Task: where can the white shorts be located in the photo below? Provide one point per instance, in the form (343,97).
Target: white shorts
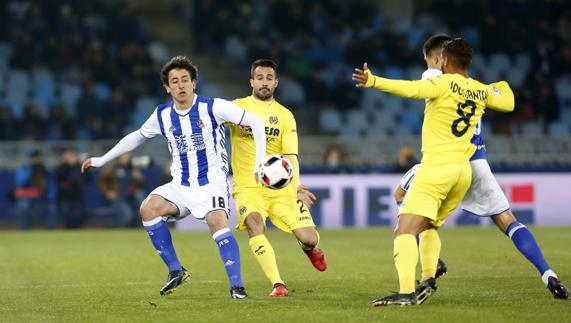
(484,197)
(198,201)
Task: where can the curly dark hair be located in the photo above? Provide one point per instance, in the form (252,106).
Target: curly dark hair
(180,62)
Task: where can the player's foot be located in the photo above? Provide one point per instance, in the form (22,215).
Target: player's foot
(557,288)
(279,291)
(238,292)
(425,289)
(175,279)
(317,258)
(441,269)
(396,299)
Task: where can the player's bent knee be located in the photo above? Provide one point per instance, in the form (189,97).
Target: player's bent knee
(216,220)
(155,206)
(307,236)
(255,224)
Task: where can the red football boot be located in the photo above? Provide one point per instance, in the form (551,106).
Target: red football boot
(279,291)
(317,258)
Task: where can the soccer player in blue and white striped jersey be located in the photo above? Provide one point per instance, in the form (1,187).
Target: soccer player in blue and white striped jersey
(193,127)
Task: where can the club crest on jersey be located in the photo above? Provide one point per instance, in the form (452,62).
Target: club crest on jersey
(243,210)
(273,120)
(199,123)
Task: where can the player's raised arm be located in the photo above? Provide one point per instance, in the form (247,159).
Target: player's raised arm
(230,112)
(131,141)
(425,89)
(125,145)
(501,97)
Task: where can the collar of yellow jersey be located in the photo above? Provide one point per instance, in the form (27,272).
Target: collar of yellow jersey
(258,101)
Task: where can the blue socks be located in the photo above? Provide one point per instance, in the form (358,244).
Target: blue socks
(230,254)
(161,238)
(526,244)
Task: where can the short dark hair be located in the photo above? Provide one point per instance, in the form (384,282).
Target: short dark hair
(264,62)
(434,42)
(459,51)
(178,62)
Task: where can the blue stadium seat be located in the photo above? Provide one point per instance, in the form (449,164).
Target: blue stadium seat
(103,91)
(158,52)
(558,128)
(146,105)
(69,93)
(357,120)
(330,120)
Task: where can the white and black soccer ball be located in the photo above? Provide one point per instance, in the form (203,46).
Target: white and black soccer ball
(276,172)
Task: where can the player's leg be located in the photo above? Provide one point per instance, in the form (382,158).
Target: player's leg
(292,215)
(264,253)
(251,205)
(496,205)
(308,239)
(153,209)
(427,240)
(217,221)
(526,244)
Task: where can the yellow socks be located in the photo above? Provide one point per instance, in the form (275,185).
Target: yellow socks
(429,252)
(264,254)
(406,257)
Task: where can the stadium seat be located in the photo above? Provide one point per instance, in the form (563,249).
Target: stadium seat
(158,52)
(291,92)
(43,76)
(558,128)
(69,94)
(563,88)
(18,83)
(412,119)
(102,91)
(357,120)
(532,128)
(146,105)
(330,120)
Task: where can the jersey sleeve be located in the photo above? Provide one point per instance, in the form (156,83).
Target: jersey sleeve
(151,127)
(501,97)
(289,138)
(424,89)
(226,111)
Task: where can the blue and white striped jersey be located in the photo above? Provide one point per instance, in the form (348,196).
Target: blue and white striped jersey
(196,138)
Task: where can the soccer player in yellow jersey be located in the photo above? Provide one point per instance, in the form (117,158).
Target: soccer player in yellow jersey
(287,208)
(455,104)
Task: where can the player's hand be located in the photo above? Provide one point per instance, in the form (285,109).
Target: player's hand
(257,173)
(86,165)
(305,195)
(361,76)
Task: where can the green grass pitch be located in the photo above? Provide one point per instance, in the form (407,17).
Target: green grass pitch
(115,276)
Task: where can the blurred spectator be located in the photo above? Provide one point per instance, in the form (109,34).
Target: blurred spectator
(121,185)
(35,193)
(334,160)
(70,186)
(406,160)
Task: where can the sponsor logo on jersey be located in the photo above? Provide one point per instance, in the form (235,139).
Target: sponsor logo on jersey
(305,217)
(273,120)
(243,210)
(172,129)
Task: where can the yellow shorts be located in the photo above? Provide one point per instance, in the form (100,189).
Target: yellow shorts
(286,212)
(437,190)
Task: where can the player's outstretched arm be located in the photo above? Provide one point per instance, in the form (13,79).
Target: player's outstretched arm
(125,145)
(259,133)
(501,97)
(425,89)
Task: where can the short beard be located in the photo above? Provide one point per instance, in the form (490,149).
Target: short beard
(262,97)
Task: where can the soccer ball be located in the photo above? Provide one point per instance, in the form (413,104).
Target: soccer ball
(276,172)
